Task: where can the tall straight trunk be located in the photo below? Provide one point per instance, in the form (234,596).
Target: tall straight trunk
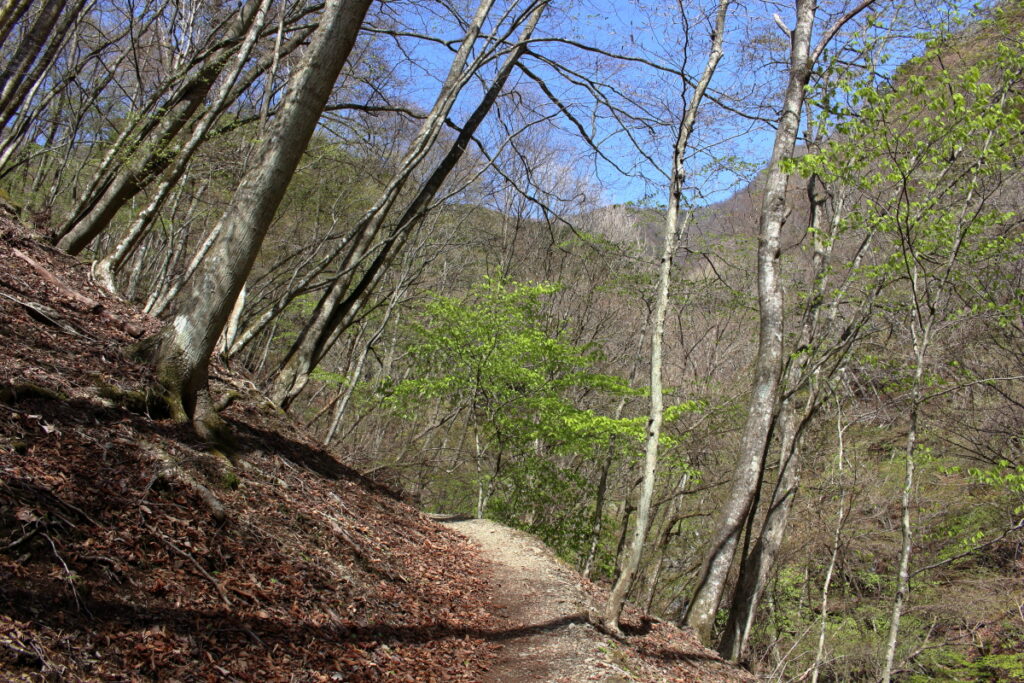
(674,226)
(183,347)
(768,365)
(346,293)
(617,597)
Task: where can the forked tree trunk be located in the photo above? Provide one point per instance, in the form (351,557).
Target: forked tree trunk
(674,226)
(764,396)
(183,347)
(757,565)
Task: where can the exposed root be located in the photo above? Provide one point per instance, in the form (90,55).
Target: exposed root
(212,428)
(609,627)
(169,471)
(226,400)
(20,391)
(140,402)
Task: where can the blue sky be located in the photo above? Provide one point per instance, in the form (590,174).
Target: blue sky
(727,148)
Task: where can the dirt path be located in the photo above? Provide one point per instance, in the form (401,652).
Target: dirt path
(548,636)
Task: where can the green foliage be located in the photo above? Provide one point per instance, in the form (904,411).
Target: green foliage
(949,665)
(538,496)
(533,400)
(490,353)
(926,155)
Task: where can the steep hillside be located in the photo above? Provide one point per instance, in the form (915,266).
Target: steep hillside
(130,552)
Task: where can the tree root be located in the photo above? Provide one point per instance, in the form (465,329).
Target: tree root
(171,472)
(20,391)
(139,402)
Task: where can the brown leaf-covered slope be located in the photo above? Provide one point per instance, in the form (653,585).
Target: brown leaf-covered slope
(128,552)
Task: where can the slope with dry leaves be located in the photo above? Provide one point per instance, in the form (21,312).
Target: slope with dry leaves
(131,552)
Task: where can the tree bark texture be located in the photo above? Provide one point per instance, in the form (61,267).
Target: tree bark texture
(768,365)
(185,345)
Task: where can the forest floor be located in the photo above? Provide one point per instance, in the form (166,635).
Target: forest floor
(130,551)
(545,605)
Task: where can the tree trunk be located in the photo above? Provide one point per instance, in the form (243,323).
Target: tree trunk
(673,229)
(345,294)
(834,556)
(184,346)
(100,207)
(106,268)
(16,70)
(768,366)
(597,519)
(903,573)
(757,565)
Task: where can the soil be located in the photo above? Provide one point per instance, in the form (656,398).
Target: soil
(540,598)
(545,606)
(131,551)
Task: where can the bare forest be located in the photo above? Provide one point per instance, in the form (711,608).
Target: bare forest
(722,302)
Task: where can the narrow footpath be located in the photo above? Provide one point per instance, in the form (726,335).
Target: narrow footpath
(546,635)
(550,638)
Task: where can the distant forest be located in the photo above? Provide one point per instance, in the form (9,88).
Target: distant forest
(724,302)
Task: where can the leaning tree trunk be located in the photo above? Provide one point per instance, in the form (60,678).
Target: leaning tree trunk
(673,229)
(345,294)
(105,269)
(18,74)
(154,146)
(183,347)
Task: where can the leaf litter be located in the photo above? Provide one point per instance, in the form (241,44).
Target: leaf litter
(113,570)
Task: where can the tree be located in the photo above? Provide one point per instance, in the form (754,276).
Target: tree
(146,148)
(374,244)
(700,614)
(488,357)
(929,158)
(674,226)
(181,351)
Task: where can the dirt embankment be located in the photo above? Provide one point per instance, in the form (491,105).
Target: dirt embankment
(129,551)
